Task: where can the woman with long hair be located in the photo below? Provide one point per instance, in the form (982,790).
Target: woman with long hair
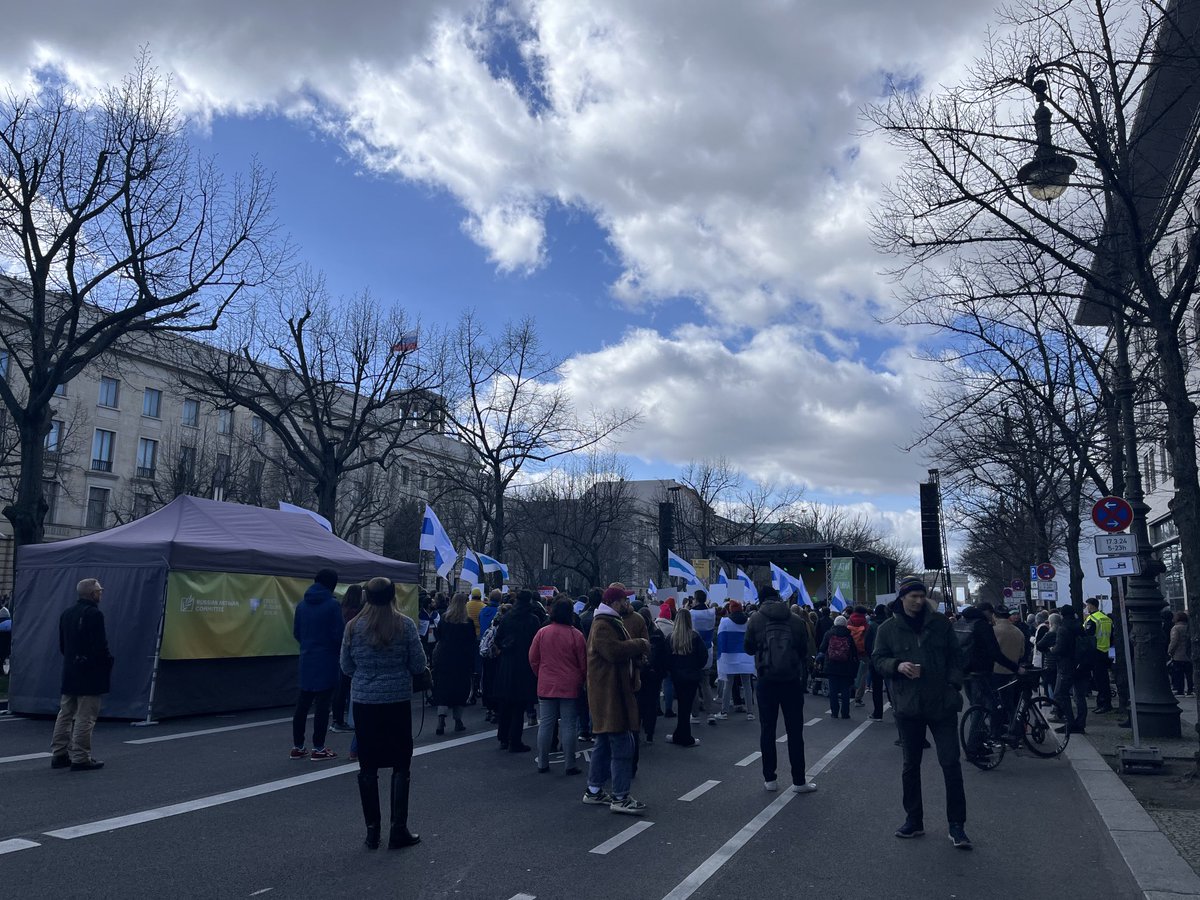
(688,658)
(381,652)
(454,663)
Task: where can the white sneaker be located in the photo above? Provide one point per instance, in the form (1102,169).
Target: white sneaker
(806,788)
(720,717)
(749,717)
(695,720)
(771,785)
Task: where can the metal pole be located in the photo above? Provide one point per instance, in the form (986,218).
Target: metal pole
(149,720)
(1133,716)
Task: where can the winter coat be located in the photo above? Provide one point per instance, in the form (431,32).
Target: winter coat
(611,660)
(824,623)
(454,663)
(930,642)
(658,666)
(486,616)
(318,628)
(382,674)
(857,624)
(665,627)
(558,657)
(689,667)
(514,636)
(847,669)
(87,664)
(1179,649)
(1064,651)
(732,658)
(1011,643)
(778,611)
(988,655)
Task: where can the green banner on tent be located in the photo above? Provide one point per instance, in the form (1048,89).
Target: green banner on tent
(841,575)
(222,615)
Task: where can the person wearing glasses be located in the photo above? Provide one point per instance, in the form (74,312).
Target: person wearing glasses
(87,669)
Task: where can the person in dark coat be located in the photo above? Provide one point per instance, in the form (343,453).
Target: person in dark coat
(1073,668)
(654,670)
(688,659)
(516,685)
(840,666)
(352,604)
(454,663)
(318,630)
(87,669)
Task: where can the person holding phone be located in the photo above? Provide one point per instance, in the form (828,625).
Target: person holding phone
(919,653)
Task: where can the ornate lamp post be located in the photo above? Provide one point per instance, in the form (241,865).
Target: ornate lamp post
(1046,177)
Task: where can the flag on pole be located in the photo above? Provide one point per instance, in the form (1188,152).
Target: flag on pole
(406,343)
(652,588)
(751,592)
(492,565)
(721,579)
(782,582)
(435,539)
(471,572)
(680,568)
(804,599)
(315,516)
(838,602)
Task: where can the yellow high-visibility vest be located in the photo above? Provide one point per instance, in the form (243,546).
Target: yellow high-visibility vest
(1103,630)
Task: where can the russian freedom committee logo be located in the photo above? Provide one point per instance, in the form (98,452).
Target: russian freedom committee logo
(187,604)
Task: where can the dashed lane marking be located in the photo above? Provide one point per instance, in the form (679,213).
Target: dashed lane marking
(699,791)
(811,722)
(14,844)
(618,839)
(223,728)
(749,759)
(23,757)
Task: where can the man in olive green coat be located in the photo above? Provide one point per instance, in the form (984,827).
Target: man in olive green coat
(918,652)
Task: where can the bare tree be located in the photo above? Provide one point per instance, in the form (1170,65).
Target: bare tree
(705,522)
(507,407)
(342,387)
(758,508)
(112,229)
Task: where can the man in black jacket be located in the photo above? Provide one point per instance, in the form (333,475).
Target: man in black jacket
(1072,659)
(87,666)
(919,654)
(978,621)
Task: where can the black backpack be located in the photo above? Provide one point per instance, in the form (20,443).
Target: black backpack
(778,657)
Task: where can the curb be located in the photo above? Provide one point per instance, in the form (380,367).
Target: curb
(1152,860)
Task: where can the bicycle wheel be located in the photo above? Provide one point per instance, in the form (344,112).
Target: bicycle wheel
(975,734)
(1040,735)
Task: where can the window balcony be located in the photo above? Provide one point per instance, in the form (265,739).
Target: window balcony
(101,465)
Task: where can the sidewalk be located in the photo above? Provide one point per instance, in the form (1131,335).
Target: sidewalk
(1154,818)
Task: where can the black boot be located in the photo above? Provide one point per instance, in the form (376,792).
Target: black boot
(441,729)
(400,836)
(368,793)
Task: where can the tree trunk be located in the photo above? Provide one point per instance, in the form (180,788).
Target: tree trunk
(326,491)
(28,512)
(1074,565)
(498,519)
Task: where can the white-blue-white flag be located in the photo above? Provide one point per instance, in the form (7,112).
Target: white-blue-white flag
(681,568)
(837,601)
(782,582)
(652,588)
(315,516)
(471,572)
(751,592)
(492,565)
(803,599)
(721,579)
(435,539)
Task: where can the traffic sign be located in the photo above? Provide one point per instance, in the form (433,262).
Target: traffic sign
(1017,584)
(1116,545)
(1019,596)
(1047,585)
(1033,573)
(1048,595)
(1112,514)
(1045,572)
(1008,592)
(1116,566)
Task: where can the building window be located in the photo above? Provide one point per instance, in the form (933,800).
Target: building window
(97,507)
(4,365)
(257,429)
(54,438)
(50,495)
(220,476)
(191,413)
(224,421)
(152,403)
(110,393)
(147,457)
(255,480)
(143,505)
(103,445)
(404,474)
(1151,474)
(60,390)
(187,464)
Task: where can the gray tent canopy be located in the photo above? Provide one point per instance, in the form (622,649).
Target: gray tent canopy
(133,562)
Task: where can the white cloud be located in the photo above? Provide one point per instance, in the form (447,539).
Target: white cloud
(777,407)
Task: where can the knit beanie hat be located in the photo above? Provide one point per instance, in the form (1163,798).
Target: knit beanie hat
(909,584)
(840,620)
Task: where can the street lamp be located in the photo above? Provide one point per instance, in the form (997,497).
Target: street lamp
(1047,175)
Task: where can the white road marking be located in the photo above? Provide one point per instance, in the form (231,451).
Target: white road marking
(710,866)
(811,722)
(618,839)
(749,759)
(23,757)
(263,891)
(14,844)
(696,792)
(256,790)
(224,728)
(781,740)
(523,897)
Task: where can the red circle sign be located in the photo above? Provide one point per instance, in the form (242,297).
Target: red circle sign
(1008,592)
(1018,584)
(1046,572)
(1112,514)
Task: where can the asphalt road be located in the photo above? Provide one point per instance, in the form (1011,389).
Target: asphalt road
(227,814)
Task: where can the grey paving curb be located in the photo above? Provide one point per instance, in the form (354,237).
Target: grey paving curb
(1160,872)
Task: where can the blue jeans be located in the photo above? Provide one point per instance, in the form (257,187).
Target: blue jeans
(612,754)
(550,709)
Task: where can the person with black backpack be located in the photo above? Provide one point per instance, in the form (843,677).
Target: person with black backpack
(778,641)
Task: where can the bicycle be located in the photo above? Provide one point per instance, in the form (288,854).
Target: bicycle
(1030,723)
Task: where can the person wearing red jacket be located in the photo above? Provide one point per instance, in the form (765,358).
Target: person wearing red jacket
(558,657)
